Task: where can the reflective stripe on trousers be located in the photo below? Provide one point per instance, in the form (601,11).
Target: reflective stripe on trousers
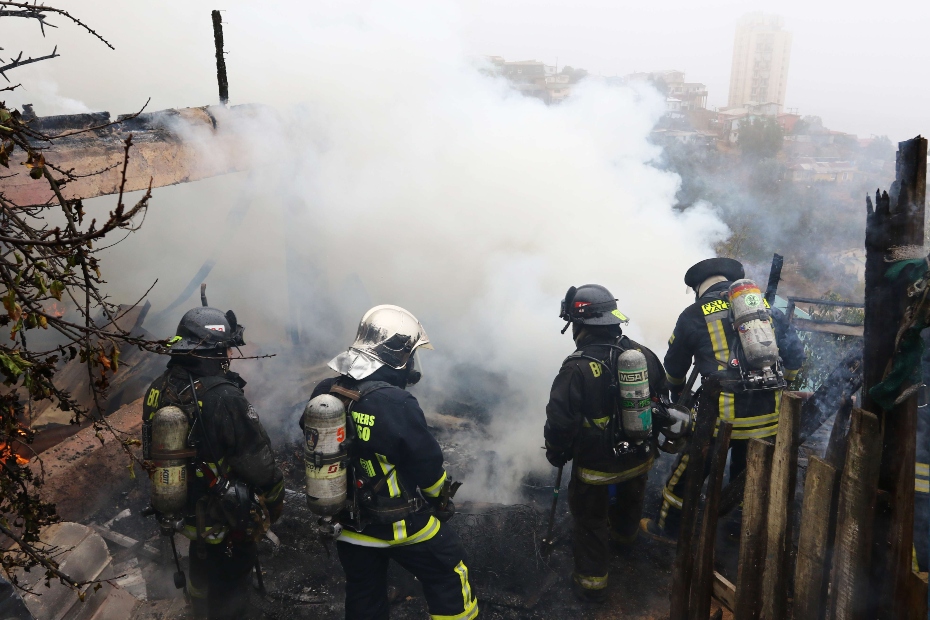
(591,476)
(589,582)
(470,602)
(400,535)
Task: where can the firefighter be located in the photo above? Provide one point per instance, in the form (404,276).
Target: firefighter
(582,426)
(233,453)
(705,334)
(396,475)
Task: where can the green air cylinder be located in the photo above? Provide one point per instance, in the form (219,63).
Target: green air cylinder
(324,457)
(635,402)
(169,476)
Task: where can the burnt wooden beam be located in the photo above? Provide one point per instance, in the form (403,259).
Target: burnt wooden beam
(221,80)
(169,147)
(894,230)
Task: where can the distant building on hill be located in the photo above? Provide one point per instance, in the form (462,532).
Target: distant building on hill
(761,53)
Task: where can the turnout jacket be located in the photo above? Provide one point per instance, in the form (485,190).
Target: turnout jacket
(580,406)
(704,333)
(231,439)
(396,456)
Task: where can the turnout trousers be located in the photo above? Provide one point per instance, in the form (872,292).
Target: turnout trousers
(598,520)
(219,584)
(437,563)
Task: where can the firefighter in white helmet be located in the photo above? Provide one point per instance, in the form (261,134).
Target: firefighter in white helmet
(399,494)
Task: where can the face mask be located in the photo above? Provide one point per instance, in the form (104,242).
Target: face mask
(415,372)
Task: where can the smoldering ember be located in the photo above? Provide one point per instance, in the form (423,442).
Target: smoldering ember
(288,290)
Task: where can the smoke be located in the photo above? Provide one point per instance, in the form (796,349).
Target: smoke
(391,169)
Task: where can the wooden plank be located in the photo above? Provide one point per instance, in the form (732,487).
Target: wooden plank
(853,548)
(125,541)
(825,327)
(896,223)
(753,530)
(835,454)
(781,510)
(682,569)
(810,582)
(702,587)
(168,147)
(724,591)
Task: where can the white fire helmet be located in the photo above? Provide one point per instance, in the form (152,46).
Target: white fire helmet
(387,335)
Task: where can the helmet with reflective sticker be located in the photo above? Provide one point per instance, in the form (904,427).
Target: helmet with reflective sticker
(206,329)
(591,304)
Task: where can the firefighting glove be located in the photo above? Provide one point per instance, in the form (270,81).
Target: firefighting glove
(558,458)
(446,513)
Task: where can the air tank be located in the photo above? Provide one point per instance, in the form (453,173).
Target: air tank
(324,457)
(169,475)
(751,320)
(635,401)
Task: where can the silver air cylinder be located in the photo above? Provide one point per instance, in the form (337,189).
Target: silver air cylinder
(324,432)
(751,321)
(635,402)
(169,476)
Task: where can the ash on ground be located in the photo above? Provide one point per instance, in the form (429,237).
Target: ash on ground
(508,572)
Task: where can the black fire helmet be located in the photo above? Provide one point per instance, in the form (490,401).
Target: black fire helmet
(206,329)
(727,267)
(591,304)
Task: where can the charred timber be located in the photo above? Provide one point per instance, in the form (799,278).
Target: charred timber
(894,230)
(169,147)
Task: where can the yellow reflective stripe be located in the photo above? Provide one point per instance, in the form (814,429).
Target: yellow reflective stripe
(718,341)
(791,375)
(914,565)
(470,604)
(429,530)
(212,535)
(435,489)
(671,340)
(599,422)
(400,530)
(922,469)
(591,476)
(674,380)
(193,590)
(672,499)
(922,486)
(758,420)
(390,474)
(757,433)
(590,582)
(727,405)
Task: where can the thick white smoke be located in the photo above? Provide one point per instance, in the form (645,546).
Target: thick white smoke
(392,170)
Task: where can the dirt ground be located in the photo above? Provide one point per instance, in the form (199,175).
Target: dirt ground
(512,580)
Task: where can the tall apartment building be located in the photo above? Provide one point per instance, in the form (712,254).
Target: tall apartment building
(761,52)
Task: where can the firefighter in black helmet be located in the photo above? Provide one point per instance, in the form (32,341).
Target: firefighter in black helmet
(582,409)
(704,333)
(235,489)
(397,478)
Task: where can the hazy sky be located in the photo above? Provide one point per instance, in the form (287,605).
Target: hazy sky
(861,66)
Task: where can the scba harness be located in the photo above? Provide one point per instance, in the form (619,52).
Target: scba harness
(366,506)
(227,508)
